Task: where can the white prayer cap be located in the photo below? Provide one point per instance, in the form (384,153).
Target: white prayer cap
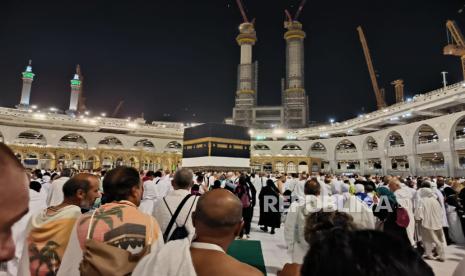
(359,188)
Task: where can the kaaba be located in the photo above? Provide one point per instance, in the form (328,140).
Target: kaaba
(216,147)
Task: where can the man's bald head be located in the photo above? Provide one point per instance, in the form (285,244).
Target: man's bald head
(14,199)
(218,211)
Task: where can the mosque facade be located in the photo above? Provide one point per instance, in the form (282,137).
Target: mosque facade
(424,135)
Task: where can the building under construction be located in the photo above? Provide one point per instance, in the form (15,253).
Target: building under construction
(293,113)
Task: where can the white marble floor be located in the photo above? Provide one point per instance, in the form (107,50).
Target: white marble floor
(275,253)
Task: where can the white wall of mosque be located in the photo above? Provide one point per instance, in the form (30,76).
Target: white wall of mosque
(48,149)
(429,147)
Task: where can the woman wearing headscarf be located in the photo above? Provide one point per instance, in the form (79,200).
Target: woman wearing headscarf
(270,215)
(385,209)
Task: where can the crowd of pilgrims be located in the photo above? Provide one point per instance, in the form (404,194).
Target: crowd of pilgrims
(123,222)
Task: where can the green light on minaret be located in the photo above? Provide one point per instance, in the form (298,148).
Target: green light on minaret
(28,75)
(75,82)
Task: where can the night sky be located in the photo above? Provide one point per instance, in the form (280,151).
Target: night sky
(177,60)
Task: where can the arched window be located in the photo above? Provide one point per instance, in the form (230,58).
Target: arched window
(145,144)
(110,142)
(291,147)
(72,140)
(173,146)
(261,147)
(318,148)
(395,140)
(346,146)
(426,134)
(31,137)
(371,144)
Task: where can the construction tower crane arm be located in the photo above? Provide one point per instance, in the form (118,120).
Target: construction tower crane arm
(457,48)
(456,33)
(117,109)
(299,11)
(379,97)
(241,8)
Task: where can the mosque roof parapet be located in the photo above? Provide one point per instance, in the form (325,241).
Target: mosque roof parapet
(12,116)
(451,95)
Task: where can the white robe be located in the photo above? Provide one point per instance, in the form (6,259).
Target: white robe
(172,260)
(294,226)
(455,226)
(299,190)
(149,197)
(354,206)
(37,202)
(405,199)
(428,211)
(163,187)
(56,196)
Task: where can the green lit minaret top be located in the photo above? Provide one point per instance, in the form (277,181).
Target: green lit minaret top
(28,73)
(76,81)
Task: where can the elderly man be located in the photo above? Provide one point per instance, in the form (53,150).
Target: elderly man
(115,229)
(13,199)
(51,228)
(218,221)
(166,207)
(294,227)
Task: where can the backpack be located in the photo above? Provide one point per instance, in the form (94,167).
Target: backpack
(245,200)
(180,232)
(402,219)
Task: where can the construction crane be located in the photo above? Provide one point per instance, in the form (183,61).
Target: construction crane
(399,88)
(457,47)
(290,18)
(117,109)
(380,102)
(242,10)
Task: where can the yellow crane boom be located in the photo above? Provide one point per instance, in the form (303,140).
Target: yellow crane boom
(380,102)
(457,48)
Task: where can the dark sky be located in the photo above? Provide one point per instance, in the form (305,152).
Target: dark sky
(179,57)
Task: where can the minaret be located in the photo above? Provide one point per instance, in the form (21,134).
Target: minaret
(28,78)
(246,94)
(295,98)
(75,93)
(82,100)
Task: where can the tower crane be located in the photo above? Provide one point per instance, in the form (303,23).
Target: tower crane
(297,14)
(380,101)
(117,109)
(457,47)
(243,13)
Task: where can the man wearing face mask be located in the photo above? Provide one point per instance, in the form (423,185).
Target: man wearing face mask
(49,230)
